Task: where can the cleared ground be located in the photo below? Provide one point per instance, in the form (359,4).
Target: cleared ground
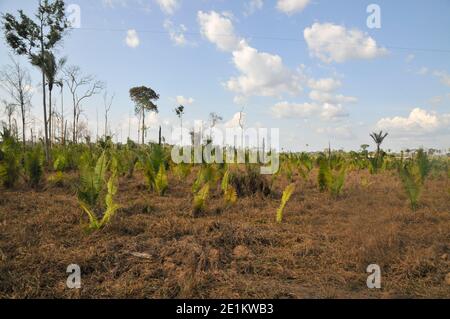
(155,248)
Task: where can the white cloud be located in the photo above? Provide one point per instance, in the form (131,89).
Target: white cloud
(132,39)
(218,29)
(334,43)
(235,121)
(168,6)
(443,76)
(419,122)
(114,3)
(252,6)
(410,58)
(261,73)
(176,33)
(183,100)
(326,84)
(331,112)
(341,132)
(423,71)
(289,110)
(325,97)
(292,6)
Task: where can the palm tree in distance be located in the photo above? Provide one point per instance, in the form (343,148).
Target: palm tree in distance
(378,138)
(51,67)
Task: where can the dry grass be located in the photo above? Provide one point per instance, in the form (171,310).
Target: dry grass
(154,248)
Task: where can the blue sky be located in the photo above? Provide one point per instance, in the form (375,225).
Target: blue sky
(311,68)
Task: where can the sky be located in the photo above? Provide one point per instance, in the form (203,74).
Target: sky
(321,71)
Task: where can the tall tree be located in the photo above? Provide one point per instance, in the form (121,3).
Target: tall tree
(179,111)
(9,110)
(81,87)
(144,99)
(107,102)
(213,119)
(33,38)
(378,138)
(16,81)
(51,67)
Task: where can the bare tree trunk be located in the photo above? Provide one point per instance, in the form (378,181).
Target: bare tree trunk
(22,107)
(50,117)
(63,137)
(143,126)
(74,124)
(44,102)
(160,136)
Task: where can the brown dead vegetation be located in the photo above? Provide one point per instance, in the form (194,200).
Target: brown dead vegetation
(155,248)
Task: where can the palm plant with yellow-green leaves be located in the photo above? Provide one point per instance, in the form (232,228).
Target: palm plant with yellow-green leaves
(92,185)
(229,193)
(287,193)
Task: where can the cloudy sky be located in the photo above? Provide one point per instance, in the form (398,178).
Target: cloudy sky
(313,68)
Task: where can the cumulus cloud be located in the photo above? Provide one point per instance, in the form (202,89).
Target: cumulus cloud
(252,6)
(418,122)
(261,73)
(176,34)
(325,85)
(168,6)
(218,29)
(289,110)
(292,6)
(334,43)
(184,100)
(331,112)
(237,119)
(325,111)
(132,39)
(325,97)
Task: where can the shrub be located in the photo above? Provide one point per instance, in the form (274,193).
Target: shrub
(9,162)
(34,166)
(250,182)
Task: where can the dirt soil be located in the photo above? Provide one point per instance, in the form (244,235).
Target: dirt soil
(155,248)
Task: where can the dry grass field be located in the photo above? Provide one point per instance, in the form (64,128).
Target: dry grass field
(155,248)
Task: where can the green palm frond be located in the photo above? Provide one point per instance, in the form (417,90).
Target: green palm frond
(161,181)
(287,193)
(200,199)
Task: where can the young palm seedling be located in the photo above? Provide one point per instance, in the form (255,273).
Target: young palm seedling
(92,180)
(111,207)
(412,183)
(161,181)
(9,162)
(34,166)
(200,199)
(229,193)
(287,193)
